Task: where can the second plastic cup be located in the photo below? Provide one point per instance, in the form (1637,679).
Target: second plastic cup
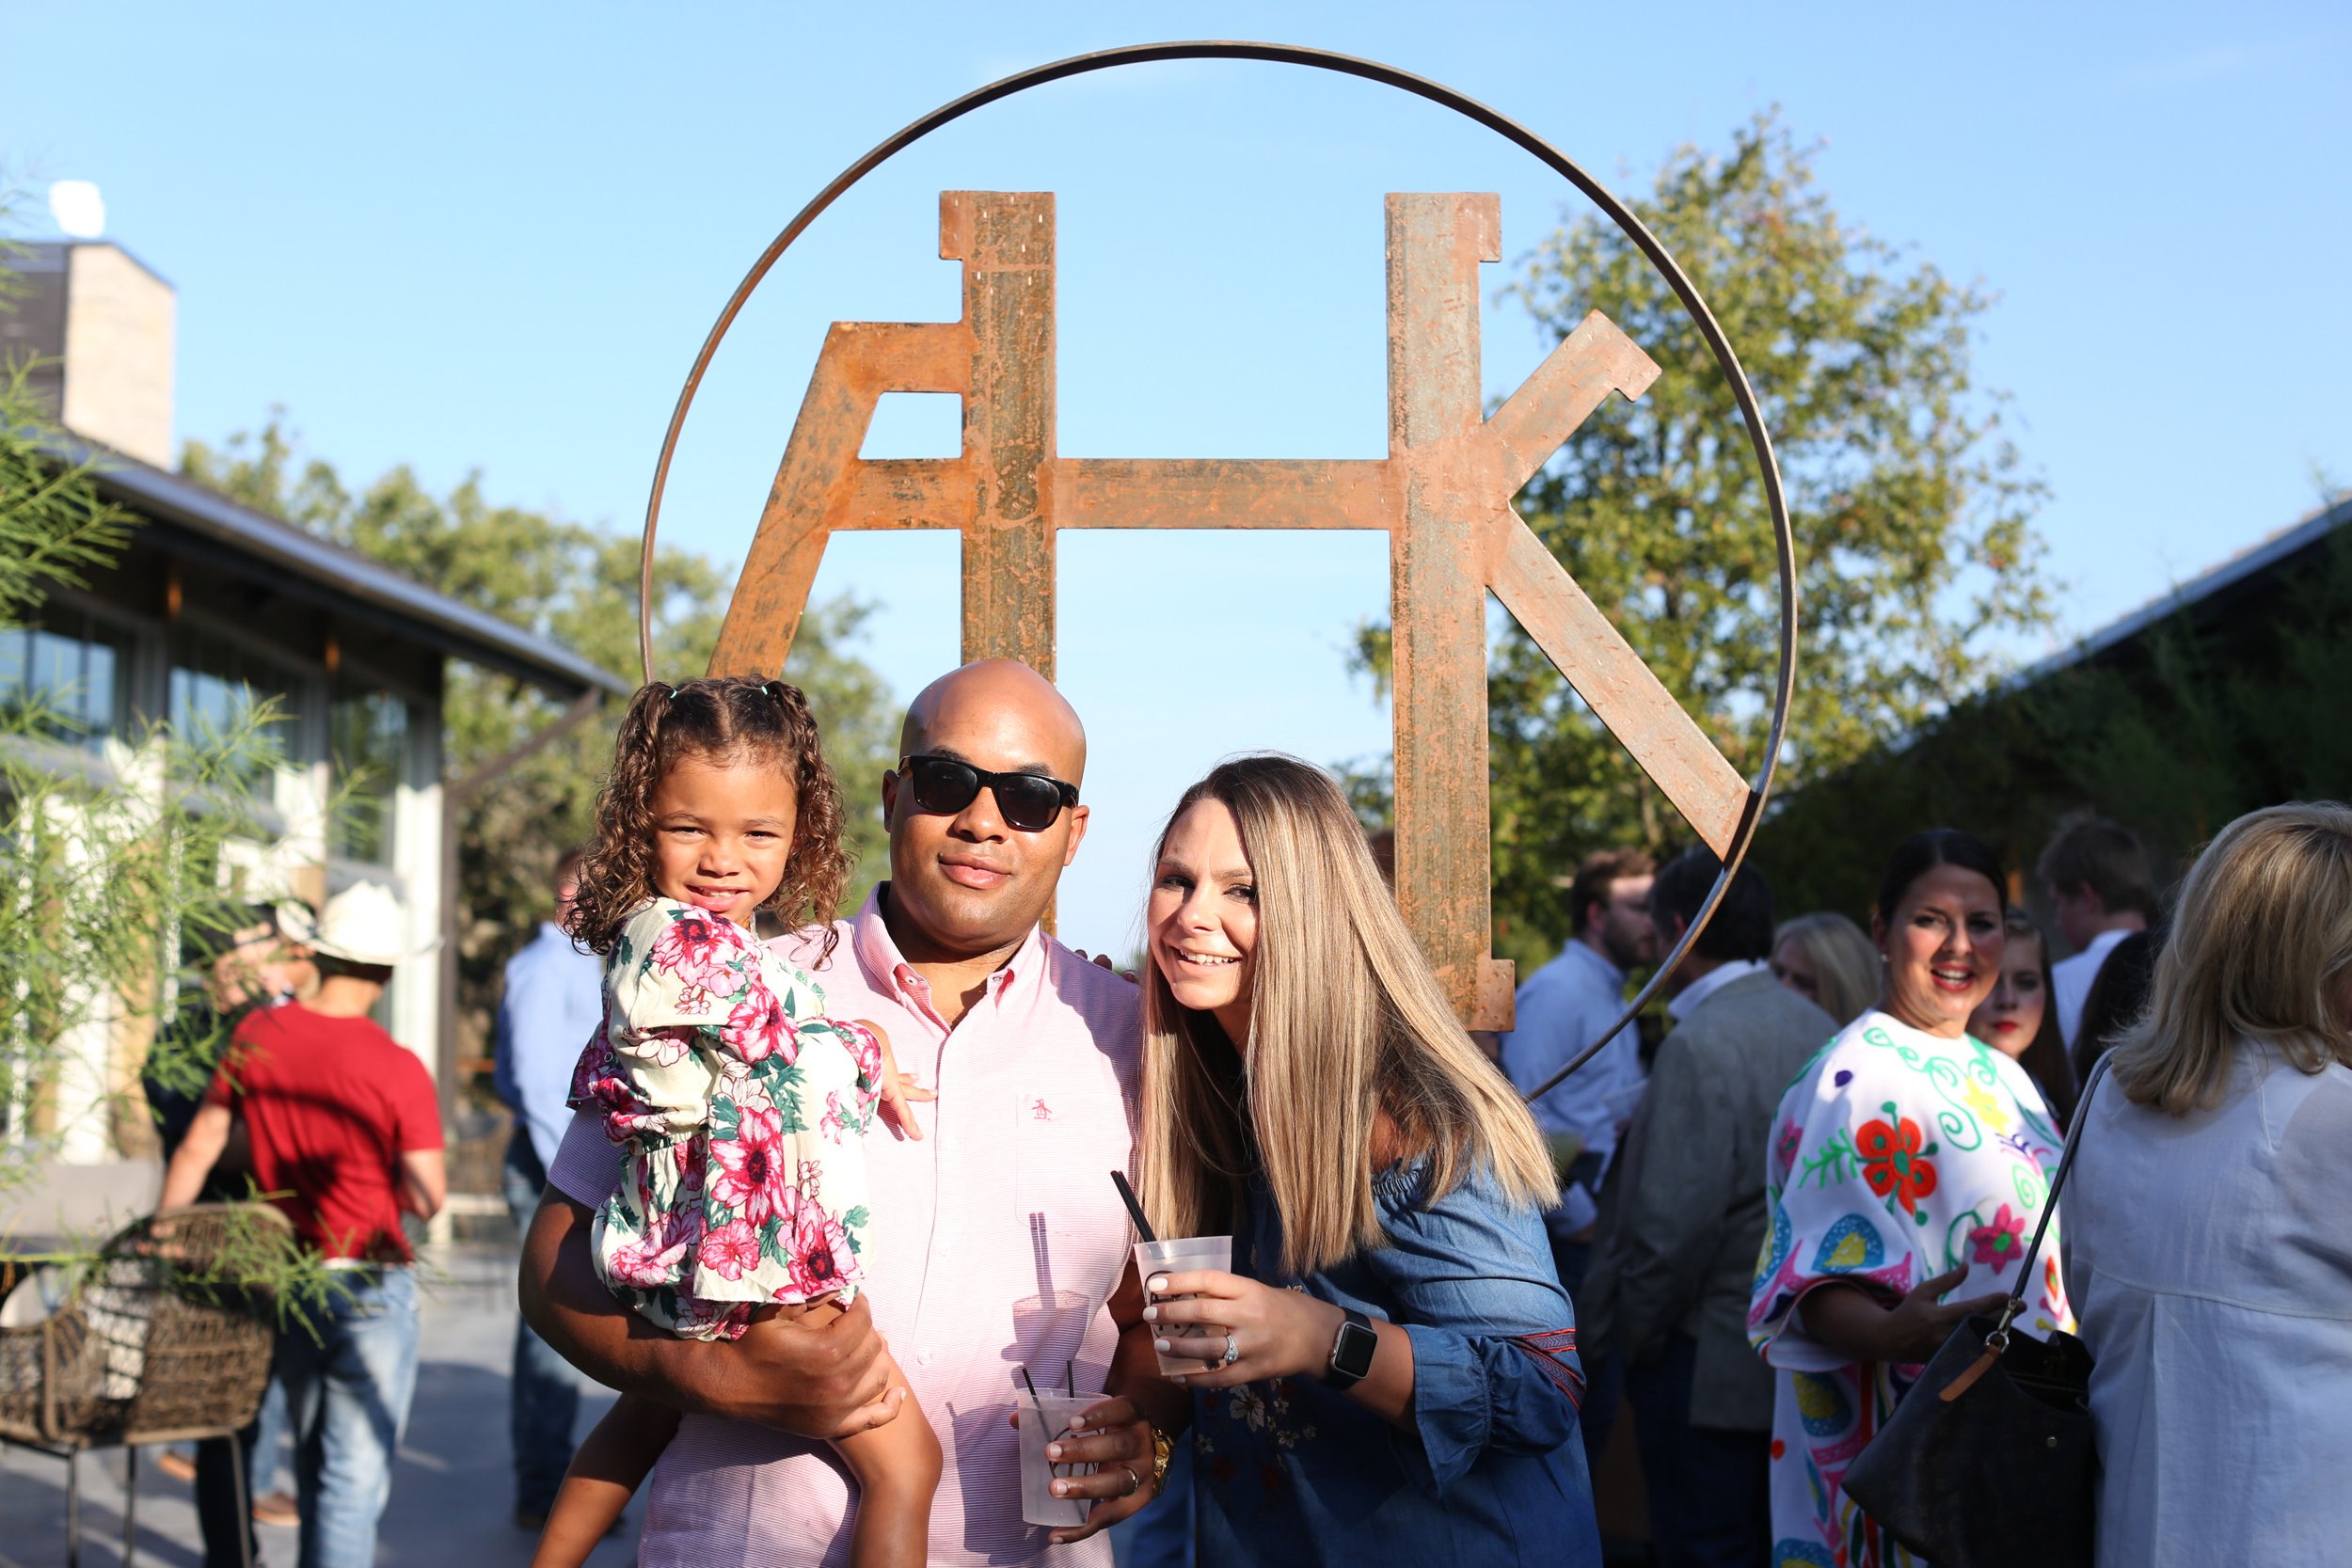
(1179,1257)
(1044,1418)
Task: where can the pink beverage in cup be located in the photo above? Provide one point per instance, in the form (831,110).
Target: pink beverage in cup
(1185,1256)
(1045,1419)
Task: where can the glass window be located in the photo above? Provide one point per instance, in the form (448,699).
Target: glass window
(217,685)
(73,670)
(368,748)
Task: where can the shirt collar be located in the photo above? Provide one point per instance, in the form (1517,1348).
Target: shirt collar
(1686,1002)
(887,969)
(1577,948)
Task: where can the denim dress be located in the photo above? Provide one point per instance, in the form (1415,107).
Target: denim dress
(1289,1472)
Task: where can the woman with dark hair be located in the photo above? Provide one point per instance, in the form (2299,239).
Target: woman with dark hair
(1907,1164)
(2117,996)
(2019,1020)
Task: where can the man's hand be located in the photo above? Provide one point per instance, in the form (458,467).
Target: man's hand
(823,1382)
(1118,1438)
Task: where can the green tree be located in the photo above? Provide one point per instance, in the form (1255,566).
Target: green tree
(111,865)
(1911,507)
(576,585)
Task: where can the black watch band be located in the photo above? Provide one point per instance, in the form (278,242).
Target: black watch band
(1351,1351)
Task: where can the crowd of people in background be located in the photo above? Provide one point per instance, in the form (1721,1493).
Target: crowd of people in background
(1787,1229)
(1740,1227)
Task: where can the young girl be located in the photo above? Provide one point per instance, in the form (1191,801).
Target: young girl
(740,1106)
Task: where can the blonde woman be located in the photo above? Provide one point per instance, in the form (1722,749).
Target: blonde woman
(1395,1373)
(1827,959)
(2208,1241)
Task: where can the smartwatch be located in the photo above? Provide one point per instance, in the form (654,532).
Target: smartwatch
(1351,1351)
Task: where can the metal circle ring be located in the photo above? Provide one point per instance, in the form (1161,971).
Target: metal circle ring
(1759,442)
(1232,1352)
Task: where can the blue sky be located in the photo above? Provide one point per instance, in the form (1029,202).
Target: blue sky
(493,237)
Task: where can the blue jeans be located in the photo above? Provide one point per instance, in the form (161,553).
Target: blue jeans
(542,1403)
(347,1393)
(1709,1497)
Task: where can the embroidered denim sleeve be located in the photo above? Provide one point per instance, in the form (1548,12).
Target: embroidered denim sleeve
(1493,1335)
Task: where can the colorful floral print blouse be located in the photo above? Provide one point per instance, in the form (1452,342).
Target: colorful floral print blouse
(742,1110)
(1293,1474)
(1896,1156)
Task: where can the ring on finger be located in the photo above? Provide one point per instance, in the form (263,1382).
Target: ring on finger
(1232,1352)
(1135,1482)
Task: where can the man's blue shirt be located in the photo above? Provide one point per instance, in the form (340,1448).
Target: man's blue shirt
(1562,1009)
(554,1001)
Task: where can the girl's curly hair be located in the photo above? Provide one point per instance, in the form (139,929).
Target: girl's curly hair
(722,719)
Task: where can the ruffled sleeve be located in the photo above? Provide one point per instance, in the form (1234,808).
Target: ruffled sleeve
(1493,1337)
(1844,1176)
(682,983)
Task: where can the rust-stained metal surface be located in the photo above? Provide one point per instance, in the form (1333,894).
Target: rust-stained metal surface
(1443,494)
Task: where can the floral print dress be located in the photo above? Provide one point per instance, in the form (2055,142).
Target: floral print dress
(1896,1155)
(742,1110)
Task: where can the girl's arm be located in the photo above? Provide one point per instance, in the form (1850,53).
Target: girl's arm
(605,1473)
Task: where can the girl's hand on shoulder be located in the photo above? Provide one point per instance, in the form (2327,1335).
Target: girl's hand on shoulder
(897,1090)
(1271,1332)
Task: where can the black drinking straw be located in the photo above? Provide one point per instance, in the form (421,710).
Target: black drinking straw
(1033,1399)
(1134,1209)
(1069,1378)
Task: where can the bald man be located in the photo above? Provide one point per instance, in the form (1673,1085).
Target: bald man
(998,1236)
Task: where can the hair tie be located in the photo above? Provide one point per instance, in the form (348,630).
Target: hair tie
(673,691)
(768,689)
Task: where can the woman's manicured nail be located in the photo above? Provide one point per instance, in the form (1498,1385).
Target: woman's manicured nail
(1156,1283)
(1053,1451)
(1161,1346)
(1151,1314)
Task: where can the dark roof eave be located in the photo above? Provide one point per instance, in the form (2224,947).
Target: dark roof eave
(457,629)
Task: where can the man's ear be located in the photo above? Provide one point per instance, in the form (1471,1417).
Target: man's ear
(889,794)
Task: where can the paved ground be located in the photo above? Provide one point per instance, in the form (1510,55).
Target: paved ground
(451,1492)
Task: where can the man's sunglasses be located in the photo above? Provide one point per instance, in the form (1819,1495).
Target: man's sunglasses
(1029,802)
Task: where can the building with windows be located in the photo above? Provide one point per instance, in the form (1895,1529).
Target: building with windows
(212,607)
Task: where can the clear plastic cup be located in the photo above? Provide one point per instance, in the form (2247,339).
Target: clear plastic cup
(1042,1421)
(1184,1256)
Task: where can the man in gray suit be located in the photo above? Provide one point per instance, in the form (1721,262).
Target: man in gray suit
(1683,1218)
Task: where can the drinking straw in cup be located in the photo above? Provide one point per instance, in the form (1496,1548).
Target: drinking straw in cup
(1046,1419)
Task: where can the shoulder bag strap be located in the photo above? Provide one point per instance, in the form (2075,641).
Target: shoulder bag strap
(2016,1302)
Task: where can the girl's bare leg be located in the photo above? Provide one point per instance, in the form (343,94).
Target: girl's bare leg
(605,1473)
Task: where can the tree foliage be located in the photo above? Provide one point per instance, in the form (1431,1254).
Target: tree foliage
(1910,508)
(576,585)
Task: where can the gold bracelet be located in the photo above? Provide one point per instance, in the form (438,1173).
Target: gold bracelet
(1163,1450)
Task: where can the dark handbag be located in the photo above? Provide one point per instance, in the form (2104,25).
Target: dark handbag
(1988,1462)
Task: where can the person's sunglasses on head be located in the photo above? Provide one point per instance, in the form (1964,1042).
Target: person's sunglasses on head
(944,786)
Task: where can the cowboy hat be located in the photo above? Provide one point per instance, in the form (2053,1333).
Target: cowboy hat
(364,924)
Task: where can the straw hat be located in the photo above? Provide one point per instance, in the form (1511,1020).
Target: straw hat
(364,924)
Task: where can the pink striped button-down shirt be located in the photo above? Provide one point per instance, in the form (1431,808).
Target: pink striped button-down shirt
(996,1241)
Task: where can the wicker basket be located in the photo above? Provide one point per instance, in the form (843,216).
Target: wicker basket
(140,1354)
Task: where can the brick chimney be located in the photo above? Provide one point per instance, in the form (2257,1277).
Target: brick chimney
(103,325)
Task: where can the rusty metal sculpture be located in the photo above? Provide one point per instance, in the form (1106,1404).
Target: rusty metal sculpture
(1443,494)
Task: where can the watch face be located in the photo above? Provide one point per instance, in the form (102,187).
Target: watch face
(1353,1354)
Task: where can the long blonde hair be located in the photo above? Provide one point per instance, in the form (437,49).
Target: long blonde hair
(1846,969)
(1347,1021)
(2262,938)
